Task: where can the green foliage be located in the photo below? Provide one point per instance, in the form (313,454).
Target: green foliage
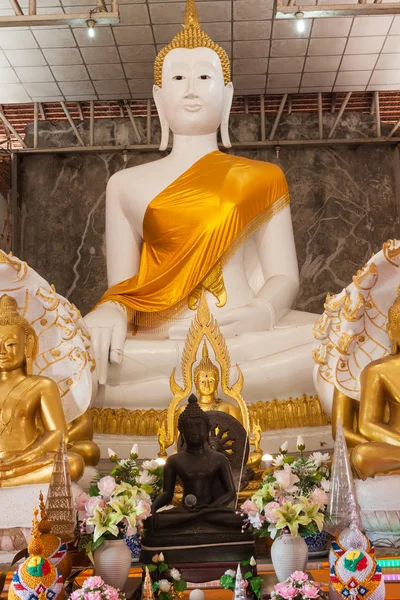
(256,585)
(227,582)
(180,586)
(164,596)
(162,567)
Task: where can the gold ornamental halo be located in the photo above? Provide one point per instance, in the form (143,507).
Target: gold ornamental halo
(191,36)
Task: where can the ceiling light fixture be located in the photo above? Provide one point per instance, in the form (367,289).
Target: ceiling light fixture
(301,26)
(91,24)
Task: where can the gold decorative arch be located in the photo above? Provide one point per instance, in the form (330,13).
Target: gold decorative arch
(202,326)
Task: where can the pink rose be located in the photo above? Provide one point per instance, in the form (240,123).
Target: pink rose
(309,590)
(269,511)
(106,486)
(77,595)
(92,503)
(319,496)
(250,508)
(143,510)
(111,593)
(92,582)
(299,576)
(93,596)
(81,500)
(286,590)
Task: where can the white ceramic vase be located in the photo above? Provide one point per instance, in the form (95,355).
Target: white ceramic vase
(288,554)
(112,561)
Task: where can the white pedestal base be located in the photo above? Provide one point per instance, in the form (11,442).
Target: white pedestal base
(315,439)
(379,501)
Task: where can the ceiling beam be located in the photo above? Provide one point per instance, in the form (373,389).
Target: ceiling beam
(21,20)
(285,11)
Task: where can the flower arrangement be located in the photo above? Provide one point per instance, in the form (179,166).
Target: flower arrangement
(126,470)
(94,588)
(252,582)
(165,588)
(298,587)
(117,504)
(293,495)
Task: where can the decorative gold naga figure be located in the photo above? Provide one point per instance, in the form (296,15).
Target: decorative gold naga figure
(372,426)
(31,414)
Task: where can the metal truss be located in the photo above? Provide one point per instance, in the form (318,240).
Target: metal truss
(269,136)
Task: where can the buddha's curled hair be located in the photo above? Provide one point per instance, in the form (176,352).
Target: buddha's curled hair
(193,411)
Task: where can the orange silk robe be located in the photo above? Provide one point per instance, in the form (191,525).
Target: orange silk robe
(193,226)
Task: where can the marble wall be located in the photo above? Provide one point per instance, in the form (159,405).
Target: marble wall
(5,204)
(345,202)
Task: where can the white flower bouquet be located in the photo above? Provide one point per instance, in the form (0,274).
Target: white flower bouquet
(292,497)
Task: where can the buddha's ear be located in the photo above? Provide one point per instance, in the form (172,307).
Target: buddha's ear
(29,350)
(226,111)
(158,99)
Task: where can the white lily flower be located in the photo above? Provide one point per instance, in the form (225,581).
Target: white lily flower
(135,449)
(111,452)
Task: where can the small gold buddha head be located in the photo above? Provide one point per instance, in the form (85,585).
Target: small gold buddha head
(193,92)
(18,339)
(206,375)
(393,326)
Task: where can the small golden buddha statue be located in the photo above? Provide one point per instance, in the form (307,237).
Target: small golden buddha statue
(372,426)
(31,414)
(206,380)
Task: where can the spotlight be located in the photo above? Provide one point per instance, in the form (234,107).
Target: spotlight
(267,460)
(91,23)
(301,26)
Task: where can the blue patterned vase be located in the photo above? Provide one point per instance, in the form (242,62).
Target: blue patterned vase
(317,543)
(135,545)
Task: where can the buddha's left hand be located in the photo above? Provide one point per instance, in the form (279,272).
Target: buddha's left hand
(258,315)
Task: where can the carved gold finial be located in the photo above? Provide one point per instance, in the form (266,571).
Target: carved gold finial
(191,37)
(44,525)
(35,546)
(393,317)
(191,18)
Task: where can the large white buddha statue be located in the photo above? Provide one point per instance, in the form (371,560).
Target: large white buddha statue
(198,218)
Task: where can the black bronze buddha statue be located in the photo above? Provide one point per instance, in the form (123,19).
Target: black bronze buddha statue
(205,527)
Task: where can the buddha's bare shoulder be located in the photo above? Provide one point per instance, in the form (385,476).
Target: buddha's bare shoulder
(135,174)
(384,365)
(44,383)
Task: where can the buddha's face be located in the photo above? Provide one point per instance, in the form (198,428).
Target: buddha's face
(12,347)
(195,432)
(192,96)
(206,383)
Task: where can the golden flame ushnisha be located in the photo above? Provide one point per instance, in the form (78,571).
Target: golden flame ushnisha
(191,37)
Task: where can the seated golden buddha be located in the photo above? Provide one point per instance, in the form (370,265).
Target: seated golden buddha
(32,420)
(372,426)
(232,433)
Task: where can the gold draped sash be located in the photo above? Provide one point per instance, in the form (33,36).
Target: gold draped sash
(192,228)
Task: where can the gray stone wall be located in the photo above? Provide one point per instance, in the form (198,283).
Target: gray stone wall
(345,202)
(5,224)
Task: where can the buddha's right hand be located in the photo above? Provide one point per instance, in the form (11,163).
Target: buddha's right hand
(108,326)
